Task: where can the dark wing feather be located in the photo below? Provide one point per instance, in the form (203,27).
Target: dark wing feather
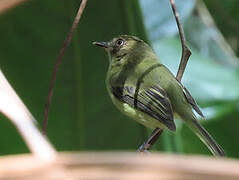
(153,101)
(192,101)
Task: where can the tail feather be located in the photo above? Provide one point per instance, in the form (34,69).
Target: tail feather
(206,138)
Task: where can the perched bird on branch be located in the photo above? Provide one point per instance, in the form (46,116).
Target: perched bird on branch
(145,90)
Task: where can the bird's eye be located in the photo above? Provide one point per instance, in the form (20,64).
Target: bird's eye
(119,42)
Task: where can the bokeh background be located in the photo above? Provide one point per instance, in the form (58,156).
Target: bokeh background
(82,117)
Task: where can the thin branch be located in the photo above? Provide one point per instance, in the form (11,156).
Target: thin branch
(58,61)
(186,53)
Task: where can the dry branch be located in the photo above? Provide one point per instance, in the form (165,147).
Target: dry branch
(58,61)
(185,50)
(119,166)
(13,108)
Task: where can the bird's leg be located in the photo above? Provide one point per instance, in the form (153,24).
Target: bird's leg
(151,140)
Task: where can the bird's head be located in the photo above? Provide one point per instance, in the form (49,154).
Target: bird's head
(124,48)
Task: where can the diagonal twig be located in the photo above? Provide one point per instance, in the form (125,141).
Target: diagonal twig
(16,111)
(58,61)
(186,53)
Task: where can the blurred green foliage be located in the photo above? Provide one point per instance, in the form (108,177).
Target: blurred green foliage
(82,116)
(226,16)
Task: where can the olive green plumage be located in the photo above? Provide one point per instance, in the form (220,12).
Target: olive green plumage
(145,90)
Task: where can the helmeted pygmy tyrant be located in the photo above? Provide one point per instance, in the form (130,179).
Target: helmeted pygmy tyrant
(145,90)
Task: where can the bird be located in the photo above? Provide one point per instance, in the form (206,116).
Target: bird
(144,89)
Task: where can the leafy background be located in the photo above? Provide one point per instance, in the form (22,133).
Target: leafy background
(82,116)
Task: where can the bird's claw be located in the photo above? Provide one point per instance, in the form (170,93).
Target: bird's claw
(143,148)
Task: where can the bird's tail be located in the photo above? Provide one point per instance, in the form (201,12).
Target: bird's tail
(206,138)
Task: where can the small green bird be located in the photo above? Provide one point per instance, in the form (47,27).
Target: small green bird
(145,90)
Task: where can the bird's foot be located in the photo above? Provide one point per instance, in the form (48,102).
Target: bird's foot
(144,148)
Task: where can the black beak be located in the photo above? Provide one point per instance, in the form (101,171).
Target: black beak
(101,44)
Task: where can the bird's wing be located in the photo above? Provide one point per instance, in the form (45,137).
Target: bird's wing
(192,101)
(153,101)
